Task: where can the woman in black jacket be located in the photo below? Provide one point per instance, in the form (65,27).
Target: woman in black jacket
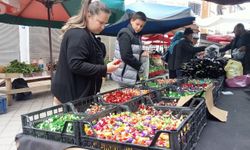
(185,50)
(81,62)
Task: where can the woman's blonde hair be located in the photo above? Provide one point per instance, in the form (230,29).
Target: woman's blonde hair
(79,20)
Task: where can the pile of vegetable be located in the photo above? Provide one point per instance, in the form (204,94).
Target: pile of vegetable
(203,68)
(56,123)
(21,67)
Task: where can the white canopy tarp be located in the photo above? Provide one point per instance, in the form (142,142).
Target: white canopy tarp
(233,18)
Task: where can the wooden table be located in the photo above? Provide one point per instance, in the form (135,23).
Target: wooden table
(35,85)
(8,86)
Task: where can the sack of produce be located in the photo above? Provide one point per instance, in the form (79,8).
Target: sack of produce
(233,68)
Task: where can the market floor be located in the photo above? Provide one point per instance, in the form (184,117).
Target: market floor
(235,133)
(10,123)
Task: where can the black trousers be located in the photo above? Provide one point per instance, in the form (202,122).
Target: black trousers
(172,74)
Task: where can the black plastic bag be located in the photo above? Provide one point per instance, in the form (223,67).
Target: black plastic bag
(18,84)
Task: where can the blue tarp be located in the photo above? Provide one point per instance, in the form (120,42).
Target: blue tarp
(161,18)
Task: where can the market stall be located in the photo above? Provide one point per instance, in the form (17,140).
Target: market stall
(159,113)
(26,73)
(172,17)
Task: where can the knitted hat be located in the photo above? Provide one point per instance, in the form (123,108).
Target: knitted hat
(188,31)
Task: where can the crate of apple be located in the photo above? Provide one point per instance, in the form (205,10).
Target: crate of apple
(123,95)
(138,127)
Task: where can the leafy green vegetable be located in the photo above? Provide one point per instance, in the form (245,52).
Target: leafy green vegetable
(21,67)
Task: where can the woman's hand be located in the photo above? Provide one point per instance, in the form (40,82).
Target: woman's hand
(112,66)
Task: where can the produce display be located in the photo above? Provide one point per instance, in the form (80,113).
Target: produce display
(156,71)
(156,66)
(179,92)
(203,68)
(95,108)
(21,67)
(166,81)
(167,103)
(56,123)
(122,96)
(193,87)
(160,82)
(200,81)
(136,127)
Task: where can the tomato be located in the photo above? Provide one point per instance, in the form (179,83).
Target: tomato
(118,62)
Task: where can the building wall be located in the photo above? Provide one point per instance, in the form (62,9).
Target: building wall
(39,43)
(9,43)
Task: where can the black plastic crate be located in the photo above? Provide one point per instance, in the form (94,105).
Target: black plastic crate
(31,119)
(218,86)
(196,103)
(178,90)
(83,104)
(161,82)
(180,139)
(201,118)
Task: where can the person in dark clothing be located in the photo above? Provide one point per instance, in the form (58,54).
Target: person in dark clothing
(171,58)
(184,51)
(129,50)
(241,42)
(102,45)
(81,61)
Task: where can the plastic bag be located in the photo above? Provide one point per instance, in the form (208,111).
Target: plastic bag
(238,55)
(239,81)
(212,51)
(145,64)
(233,69)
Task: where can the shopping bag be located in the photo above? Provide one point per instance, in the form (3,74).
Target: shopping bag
(233,69)
(239,81)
